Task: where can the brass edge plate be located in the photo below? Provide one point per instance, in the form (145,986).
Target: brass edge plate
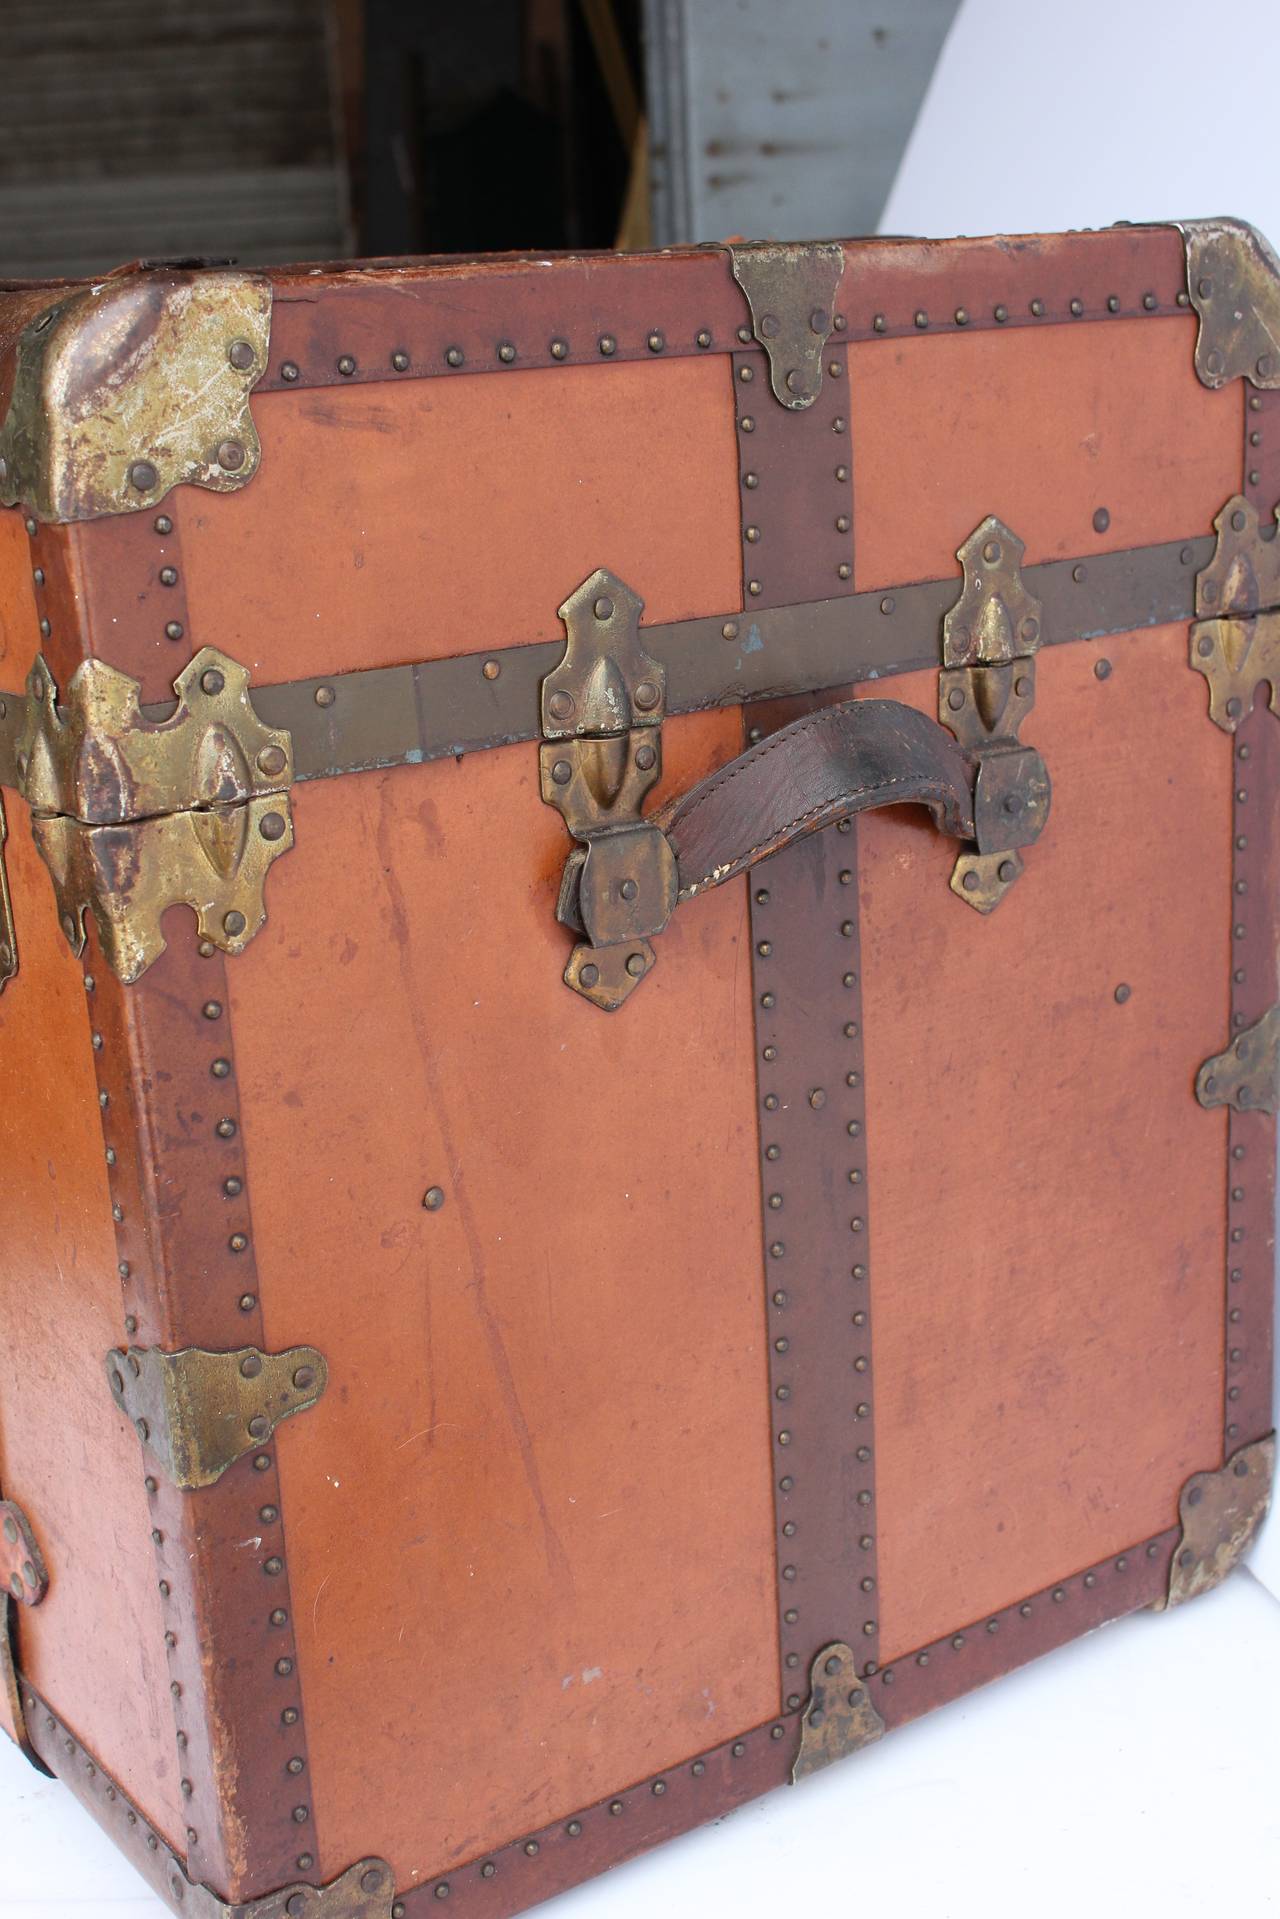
(791,289)
(198,1412)
(1247,1076)
(839,1717)
(437,709)
(128,388)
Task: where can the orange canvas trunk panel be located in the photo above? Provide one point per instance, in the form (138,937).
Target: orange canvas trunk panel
(611,1190)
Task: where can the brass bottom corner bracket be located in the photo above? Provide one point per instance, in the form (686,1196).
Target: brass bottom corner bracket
(1247,1076)
(839,1717)
(24,1581)
(1221,1513)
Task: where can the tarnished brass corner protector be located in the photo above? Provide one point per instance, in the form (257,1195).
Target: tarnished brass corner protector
(791,290)
(365,1891)
(839,1717)
(985,690)
(1233,279)
(1247,1075)
(1235,639)
(602,710)
(198,1412)
(1220,1513)
(133,816)
(128,388)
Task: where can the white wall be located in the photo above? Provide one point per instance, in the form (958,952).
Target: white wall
(1044,115)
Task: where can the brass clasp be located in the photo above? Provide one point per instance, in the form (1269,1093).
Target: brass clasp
(602,710)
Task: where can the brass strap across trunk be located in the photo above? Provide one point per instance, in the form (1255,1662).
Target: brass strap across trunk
(404,715)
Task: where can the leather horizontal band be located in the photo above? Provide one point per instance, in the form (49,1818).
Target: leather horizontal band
(437,709)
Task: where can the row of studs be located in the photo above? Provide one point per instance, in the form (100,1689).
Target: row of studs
(499,354)
(695,1772)
(747,370)
(1002,314)
(609,344)
(1070,1595)
(1244,1277)
(849,1115)
(230,1188)
(1066,1593)
(831,458)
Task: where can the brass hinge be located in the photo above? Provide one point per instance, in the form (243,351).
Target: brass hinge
(1233,280)
(24,1581)
(1220,1513)
(602,710)
(791,291)
(1235,640)
(133,815)
(198,1412)
(839,1716)
(128,388)
(985,690)
(1247,1076)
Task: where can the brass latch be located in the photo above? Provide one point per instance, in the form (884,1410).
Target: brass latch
(602,710)
(198,1412)
(985,690)
(133,814)
(1235,640)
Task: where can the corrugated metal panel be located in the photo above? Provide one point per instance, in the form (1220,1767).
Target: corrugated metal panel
(782,121)
(156,126)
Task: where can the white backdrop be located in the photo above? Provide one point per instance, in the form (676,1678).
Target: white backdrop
(1136,1770)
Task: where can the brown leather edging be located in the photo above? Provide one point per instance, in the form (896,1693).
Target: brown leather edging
(396,321)
(1251,1136)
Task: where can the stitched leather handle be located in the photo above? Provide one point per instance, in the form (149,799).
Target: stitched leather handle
(840,760)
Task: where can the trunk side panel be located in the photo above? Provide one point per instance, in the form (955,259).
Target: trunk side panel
(530,1522)
(1049,1209)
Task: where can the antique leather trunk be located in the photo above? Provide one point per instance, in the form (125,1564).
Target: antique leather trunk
(639,1041)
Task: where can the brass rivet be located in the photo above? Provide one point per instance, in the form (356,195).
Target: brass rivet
(1101,520)
(506,352)
(231,455)
(1077,308)
(454,356)
(174,630)
(590,975)
(400,360)
(289,371)
(143,476)
(272,760)
(491,669)
(433,1199)
(962,317)
(211,681)
(325,696)
(271,826)
(1002,314)
(346,366)
(221,1068)
(702,339)
(635,964)
(1037,308)
(922,318)
(241,355)
(251,1365)
(559,349)
(607,344)
(655,342)
(1113,303)
(878,324)
(168,576)
(1149,302)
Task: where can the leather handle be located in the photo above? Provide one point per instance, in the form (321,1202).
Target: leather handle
(837,761)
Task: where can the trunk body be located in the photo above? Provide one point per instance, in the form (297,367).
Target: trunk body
(868,1286)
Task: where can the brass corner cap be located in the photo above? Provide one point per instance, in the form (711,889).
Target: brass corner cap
(1220,1513)
(839,1716)
(129,387)
(1233,281)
